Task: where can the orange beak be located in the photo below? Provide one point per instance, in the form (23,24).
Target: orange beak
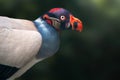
(75,23)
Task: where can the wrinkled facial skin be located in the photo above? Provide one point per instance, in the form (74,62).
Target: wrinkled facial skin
(62,19)
(63,22)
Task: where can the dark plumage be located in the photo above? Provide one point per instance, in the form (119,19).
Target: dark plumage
(7,71)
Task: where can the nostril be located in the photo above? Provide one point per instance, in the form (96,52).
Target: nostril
(75,25)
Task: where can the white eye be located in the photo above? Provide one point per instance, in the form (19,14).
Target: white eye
(62,18)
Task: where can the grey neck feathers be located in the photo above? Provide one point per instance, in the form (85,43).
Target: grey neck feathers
(50,39)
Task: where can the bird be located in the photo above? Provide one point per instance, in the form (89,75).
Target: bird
(23,43)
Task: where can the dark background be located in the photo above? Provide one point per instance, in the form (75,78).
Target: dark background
(93,54)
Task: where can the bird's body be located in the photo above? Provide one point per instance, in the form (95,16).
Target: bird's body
(14,55)
(24,43)
(48,36)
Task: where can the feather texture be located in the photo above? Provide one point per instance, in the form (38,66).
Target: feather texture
(19,44)
(26,45)
(50,36)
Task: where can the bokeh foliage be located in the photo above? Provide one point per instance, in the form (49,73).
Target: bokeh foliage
(93,54)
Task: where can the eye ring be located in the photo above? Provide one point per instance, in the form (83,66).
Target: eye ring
(62,18)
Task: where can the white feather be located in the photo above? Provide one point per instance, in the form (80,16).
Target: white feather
(19,44)
(17,23)
(17,47)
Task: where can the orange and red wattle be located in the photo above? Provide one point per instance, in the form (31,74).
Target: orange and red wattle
(76,23)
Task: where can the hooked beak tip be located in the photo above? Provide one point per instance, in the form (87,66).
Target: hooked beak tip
(79,27)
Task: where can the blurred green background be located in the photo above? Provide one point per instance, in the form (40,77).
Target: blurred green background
(93,54)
